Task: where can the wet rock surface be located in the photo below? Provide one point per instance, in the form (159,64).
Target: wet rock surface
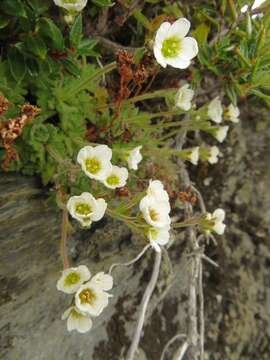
(237,295)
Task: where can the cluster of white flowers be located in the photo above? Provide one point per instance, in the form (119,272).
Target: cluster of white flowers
(215,113)
(96,164)
(71,5)
(155,208)
(214,222)
(90,296)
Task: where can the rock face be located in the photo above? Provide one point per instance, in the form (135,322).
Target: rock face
(237,295)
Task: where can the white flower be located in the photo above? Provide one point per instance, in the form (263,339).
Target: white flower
(134,158)
(214,222)
(171,47)
(85,208)
(213,155)
(194,155)
(184,97)
(71,5)
(91,299)
(156,189)
(104,281)
(158,237)
(221,133)
(155,212)
(72,278)
(95,161)
(76,320)
(233,113)
(116,178)
(215,110)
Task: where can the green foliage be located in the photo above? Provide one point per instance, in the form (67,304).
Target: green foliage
(56,66)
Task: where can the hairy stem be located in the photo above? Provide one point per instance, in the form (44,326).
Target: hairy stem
(63,242)
(145,300)
(131,261)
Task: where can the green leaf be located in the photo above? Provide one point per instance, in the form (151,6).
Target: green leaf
(86,46)
(39,133)
(49,30)
(39,6)
(76,31)
(71,67)
(201,33)
(16,63)
(36,45)
(14,8)
(3,23)
(102,3)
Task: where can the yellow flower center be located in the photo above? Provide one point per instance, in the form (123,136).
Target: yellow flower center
(70,1)
(93,165)
(153,214)
(171,47)
(87,296)
(83,209)
(113,180)
(72,279)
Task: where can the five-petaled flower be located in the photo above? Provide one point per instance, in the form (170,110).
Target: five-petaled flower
(158,237)
(72,278)
(172,47)
(214,222)
(219,132)
(192,155)
(156,190)
(71,5)
(134,158)
(116,178)
(91,298)
(215,110)
(95,161)
(184,97)
(77,320)
(86,209)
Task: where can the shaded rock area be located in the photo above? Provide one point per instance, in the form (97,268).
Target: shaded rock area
(237,295)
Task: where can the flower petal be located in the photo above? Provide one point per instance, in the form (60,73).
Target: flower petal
(178,62)
(179,28)
(162,33)
(189,48)
(159,57)
(100,209)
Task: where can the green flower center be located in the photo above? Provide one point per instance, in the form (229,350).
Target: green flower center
(83,209)
(72,279)
(171,47)
(113,180)
(75,314)
(87,296)
(93,165)
(70,1)
(154,233)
